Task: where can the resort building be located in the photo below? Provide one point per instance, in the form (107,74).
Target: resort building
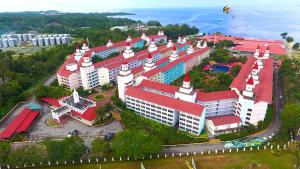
(79,71)
(146,90)
(248,46)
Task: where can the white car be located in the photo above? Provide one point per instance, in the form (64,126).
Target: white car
(265,138)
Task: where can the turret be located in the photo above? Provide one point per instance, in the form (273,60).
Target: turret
(170,43)
(124,79)
(86,62)
(267,53)
(128,52)
(78,54)
(199,43)
(144,36)
(191,48)
(249,87)
(184,39)
(128,38)
(179,40)
(257,51)
(152,47)
(109,43)
(255,71)
(84,47)
(174,55)
(149,65)
(186,91)
(160,33)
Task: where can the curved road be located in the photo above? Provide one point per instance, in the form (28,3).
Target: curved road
(273,128)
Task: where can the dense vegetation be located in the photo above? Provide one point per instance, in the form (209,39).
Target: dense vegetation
(136,144)
(290,80)
(20,73)
(62,23)
(71,148)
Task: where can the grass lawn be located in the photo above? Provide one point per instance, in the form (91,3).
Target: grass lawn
(258,159)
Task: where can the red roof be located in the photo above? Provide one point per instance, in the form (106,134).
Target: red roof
(263,90)
(89,114)
(180,105)
(214,96)
(187,78)
(255,67)
(239,82)
(224,120)
(149,56)
(19,124)
(250,81)
(51,101)
(158,86)
(27,122)
(251,44)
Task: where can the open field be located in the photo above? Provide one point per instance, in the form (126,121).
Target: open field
(26,50)
(255,160)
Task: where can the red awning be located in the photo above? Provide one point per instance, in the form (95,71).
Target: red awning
(19,124)
(27,122)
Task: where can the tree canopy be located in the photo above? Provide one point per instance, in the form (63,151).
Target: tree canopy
(136,144)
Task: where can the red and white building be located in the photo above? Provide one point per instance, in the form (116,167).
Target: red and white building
(77,107)
(79,71)
(220,112)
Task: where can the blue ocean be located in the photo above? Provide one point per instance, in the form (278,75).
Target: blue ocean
(264,23)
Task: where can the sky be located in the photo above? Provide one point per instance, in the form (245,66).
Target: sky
(120,5)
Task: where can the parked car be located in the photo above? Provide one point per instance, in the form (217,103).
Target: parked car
(73,133)
(109,136)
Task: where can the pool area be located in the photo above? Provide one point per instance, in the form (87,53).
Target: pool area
(219,69)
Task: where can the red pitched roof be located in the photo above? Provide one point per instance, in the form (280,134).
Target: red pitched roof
(214,96)
(51,101)
(224,120)
(158,86)
(187,78)
(89,114)
(250,81)
(263,90)
(19,124)
(255,67)
(180,105)
(27,122)
(239,82)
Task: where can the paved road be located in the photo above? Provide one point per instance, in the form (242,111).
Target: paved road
(274,127)
(50,80)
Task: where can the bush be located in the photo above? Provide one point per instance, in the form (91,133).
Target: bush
(100,147)
(233,136)
(99,97)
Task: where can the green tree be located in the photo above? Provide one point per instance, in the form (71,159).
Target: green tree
(100,147)
(290,117)
(290,39)
(235,70)
(296,46)
(136,144)
(71,148)
(4,152)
